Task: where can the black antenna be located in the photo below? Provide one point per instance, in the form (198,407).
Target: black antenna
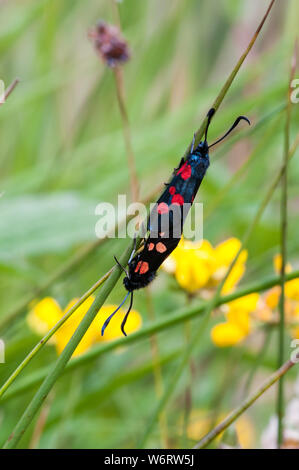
(126,315)
(231,129)
(107,321)
(209,116)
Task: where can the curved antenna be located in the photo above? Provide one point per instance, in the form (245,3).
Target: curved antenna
(209,116)
(126,315)
(107,321)
(231,129)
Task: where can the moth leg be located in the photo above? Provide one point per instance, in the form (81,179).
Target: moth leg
(121,266)
(134,249)
(180,164)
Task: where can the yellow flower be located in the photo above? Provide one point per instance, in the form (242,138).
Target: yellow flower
(292,289)
(268,310)
(65,332)
(46,313)
(238,324)
(272,297)
(198,265)
(277,261)
(225,253)
(194,266)
(227,334)
(43,316)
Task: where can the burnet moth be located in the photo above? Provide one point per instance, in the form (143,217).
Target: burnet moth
(166,220)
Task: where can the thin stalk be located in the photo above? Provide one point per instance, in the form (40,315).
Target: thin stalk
(229,81)
(208,438)
(120,91)
(119,82)
(115,6)
(175,319)
(213,303)
(51,332)
(283,252)
(159,386)
(65,356)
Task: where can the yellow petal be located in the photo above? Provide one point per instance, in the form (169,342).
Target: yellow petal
(113,330)
(234,277)
(202,266)
(204,246)
(296,313)
(64,334)
(241,319)
(44,315)
(82,309)
(227,250)
(184,273)
(194,266)
(192,271)
(63,338)
(277,260)
(292,289)
(247,303)
(171,261)
(227,334)
(272,297)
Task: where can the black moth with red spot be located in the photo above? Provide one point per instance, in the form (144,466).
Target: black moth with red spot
(165,225)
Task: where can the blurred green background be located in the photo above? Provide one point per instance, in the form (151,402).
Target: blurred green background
(62,152)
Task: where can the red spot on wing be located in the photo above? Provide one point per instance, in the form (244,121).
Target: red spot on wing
(162,208)
(142,267)
(160,247)
(172,190)
(151,246)
(185,171)
(177,199)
